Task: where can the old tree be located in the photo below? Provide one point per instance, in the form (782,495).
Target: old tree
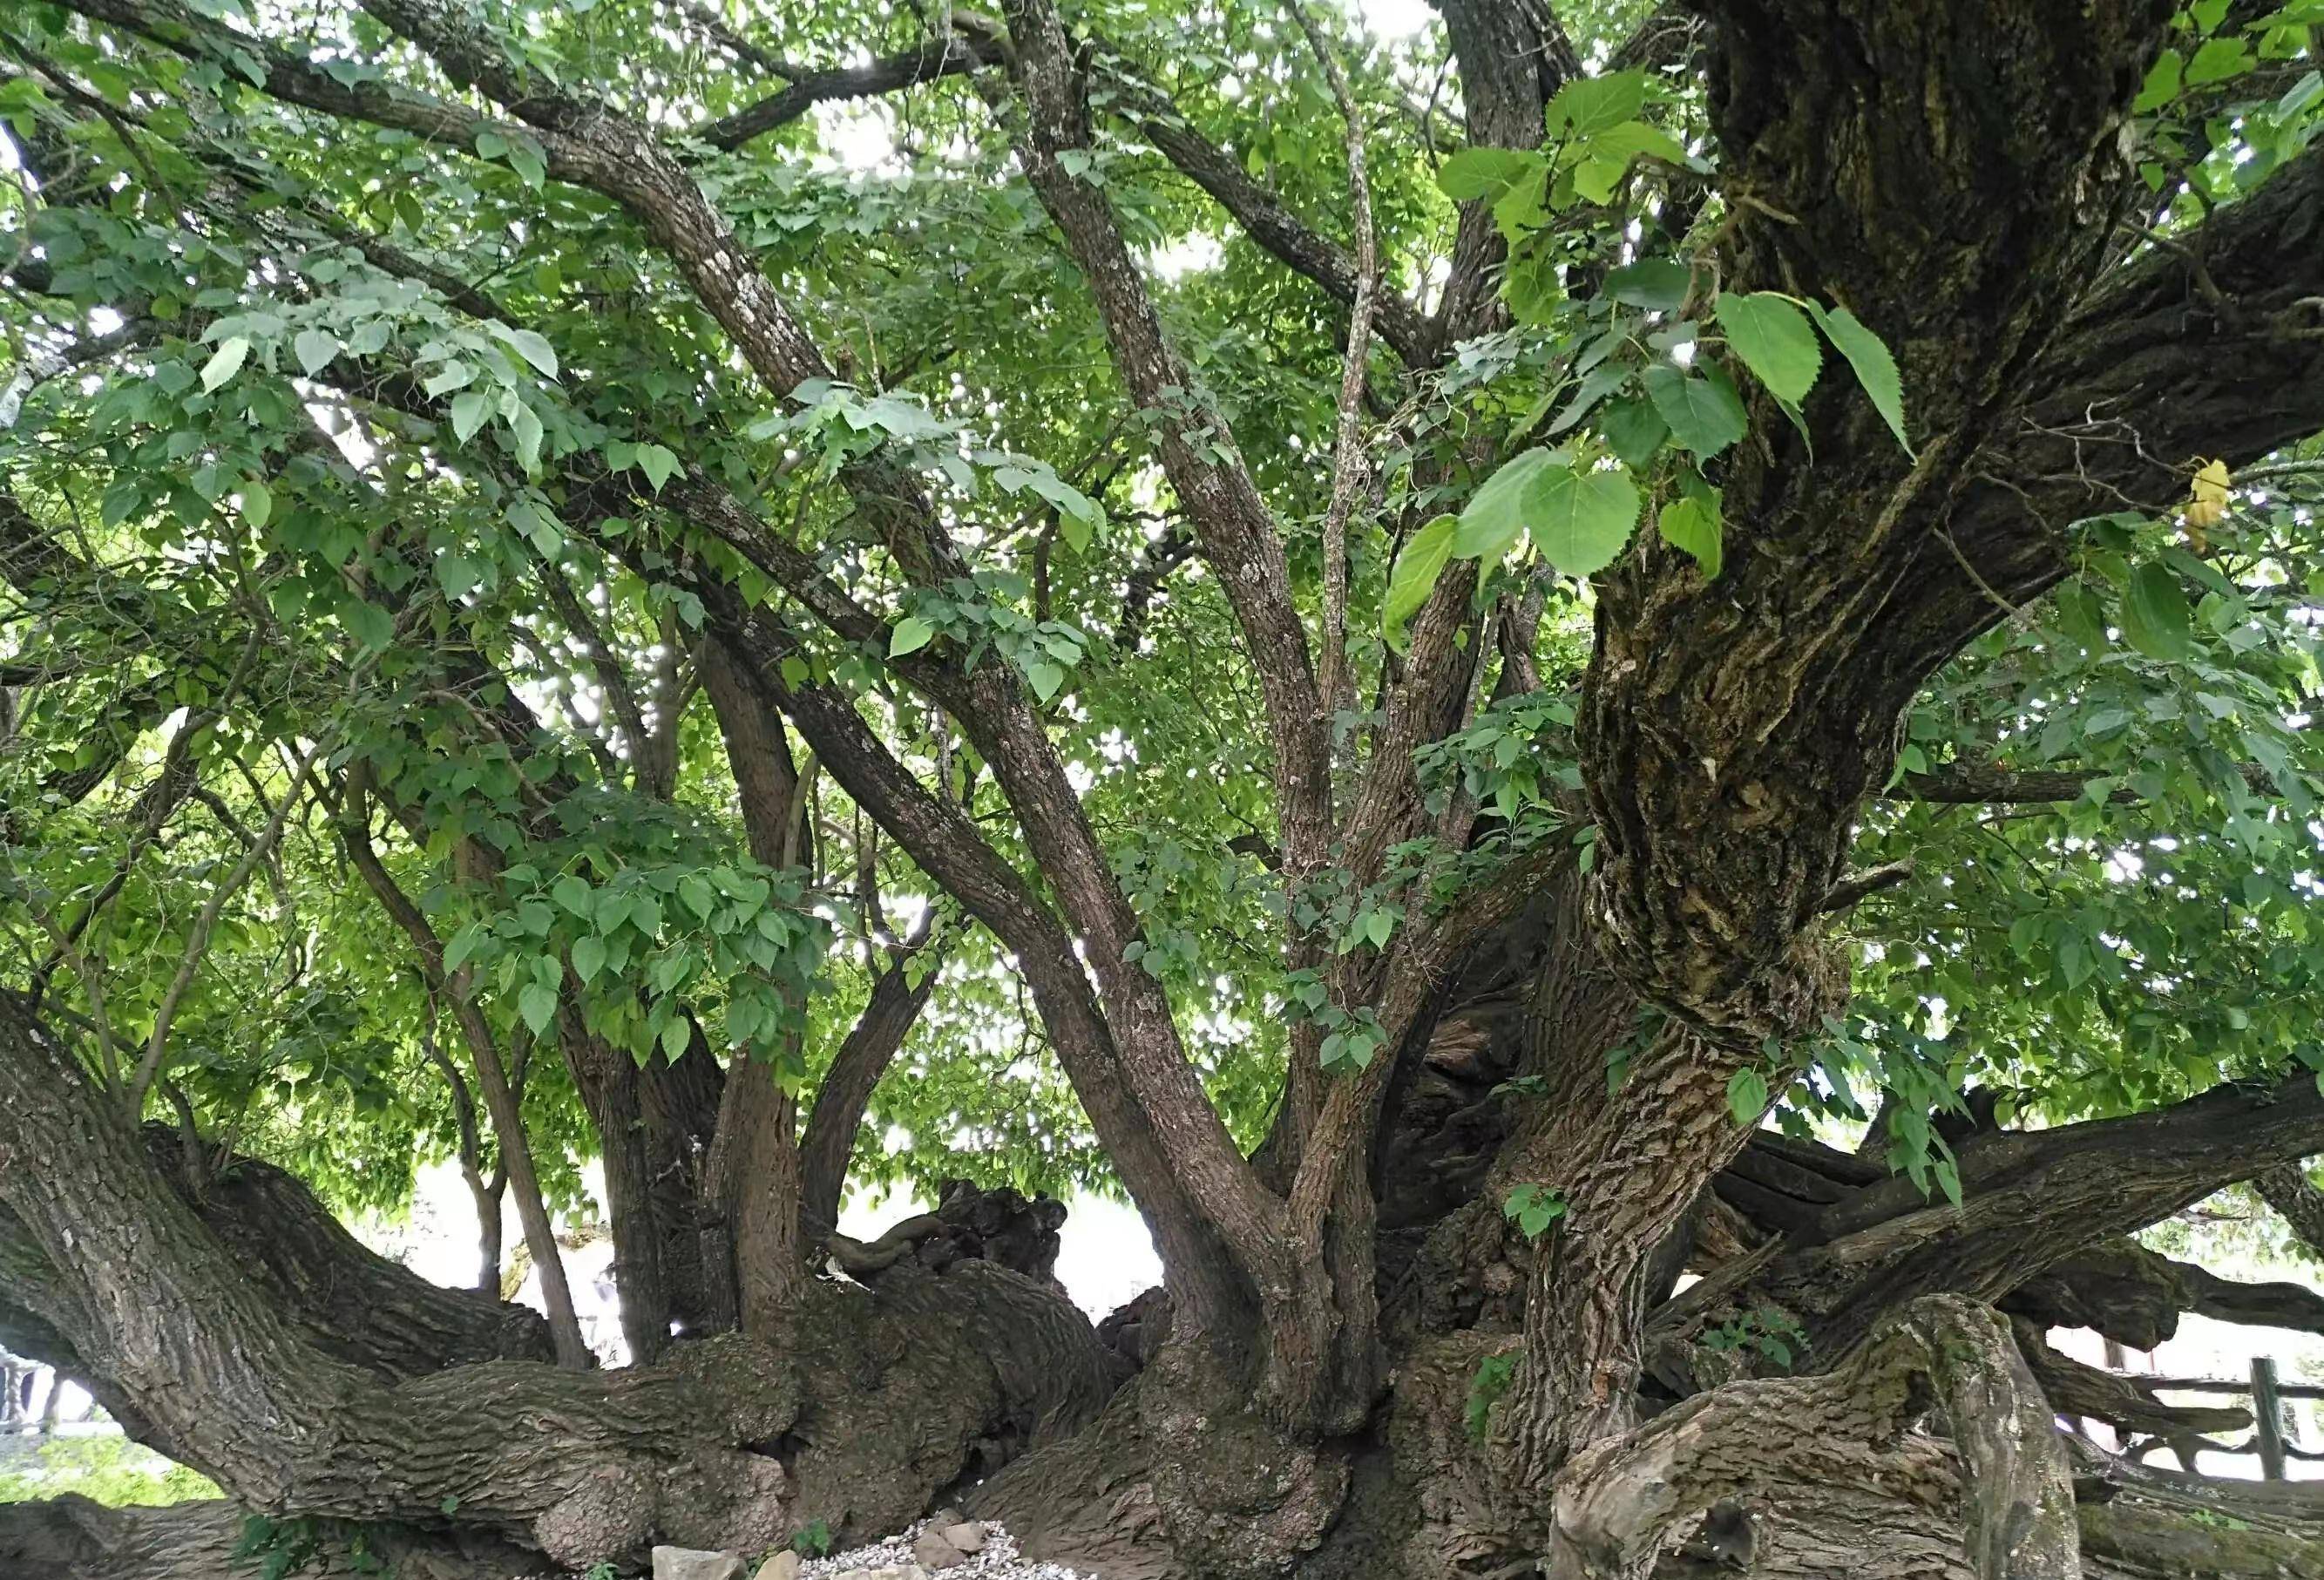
(1454,662)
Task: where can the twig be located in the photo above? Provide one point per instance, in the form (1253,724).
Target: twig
(1348,459)
(198,940)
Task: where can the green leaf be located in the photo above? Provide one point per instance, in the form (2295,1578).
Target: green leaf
(2299,96)
(1657,285)
(911,635)
(1416,569)
(1495,516)
(371,626)
(1588,105)
(469,410)
(1045,677)
(572,891)
(526,426)
(1876,369)
(2155,616)
(1582,520)
(2164,79)
(526,160)
(1634,430)
(1595,178)
(659,463)
(464,943)
(528,345)
(537,1004)
(1602,380)
(315,349)
(1475,173)
(1705,413)
(225,362)
(2216,61)
(1747,1095)
(457,574)
(700,898)
(1774,340)
(1533,1208)
(257,501)
(1631,139)
(1691,524)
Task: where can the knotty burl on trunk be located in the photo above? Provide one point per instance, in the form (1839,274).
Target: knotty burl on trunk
(1578,871)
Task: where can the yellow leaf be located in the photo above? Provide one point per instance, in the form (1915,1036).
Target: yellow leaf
(2208,506)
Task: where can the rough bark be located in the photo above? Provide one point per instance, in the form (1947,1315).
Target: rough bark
(2287,1189)
(871,1406)
(1930,166)
(72,1537)
(844,1094)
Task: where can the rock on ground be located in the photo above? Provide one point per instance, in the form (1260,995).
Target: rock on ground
(992,1556)
(693,1564)
(944,1547)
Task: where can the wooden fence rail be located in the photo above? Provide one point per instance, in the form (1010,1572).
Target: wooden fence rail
(2267,1396)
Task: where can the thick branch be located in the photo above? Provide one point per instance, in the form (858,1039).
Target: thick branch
(937,59)
(2032,1199)
(897,999)
(2075,1389)
(1616,1502)
(290,1429)
(2156,370)
(2287,1189)
(1236,529)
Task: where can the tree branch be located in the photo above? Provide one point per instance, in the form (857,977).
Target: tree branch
(897,999)
(2287,1189)
(1263,213)
(484,1049)
(1220,498)
(937,59)
(2151,374)
(1617,1500)
(1348,469)
(198,939)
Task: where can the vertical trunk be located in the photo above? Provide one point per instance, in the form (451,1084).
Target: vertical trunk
(846,1091)
(485,1195)
(516,1155)
(751,1183)
(488,1194)
(679,1103)
(1629,1179)
(608,1081)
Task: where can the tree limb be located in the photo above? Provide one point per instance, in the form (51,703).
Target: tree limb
(2287,1189)
(1263,213)
(1617,1500)
(940,58)
(1348,469)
